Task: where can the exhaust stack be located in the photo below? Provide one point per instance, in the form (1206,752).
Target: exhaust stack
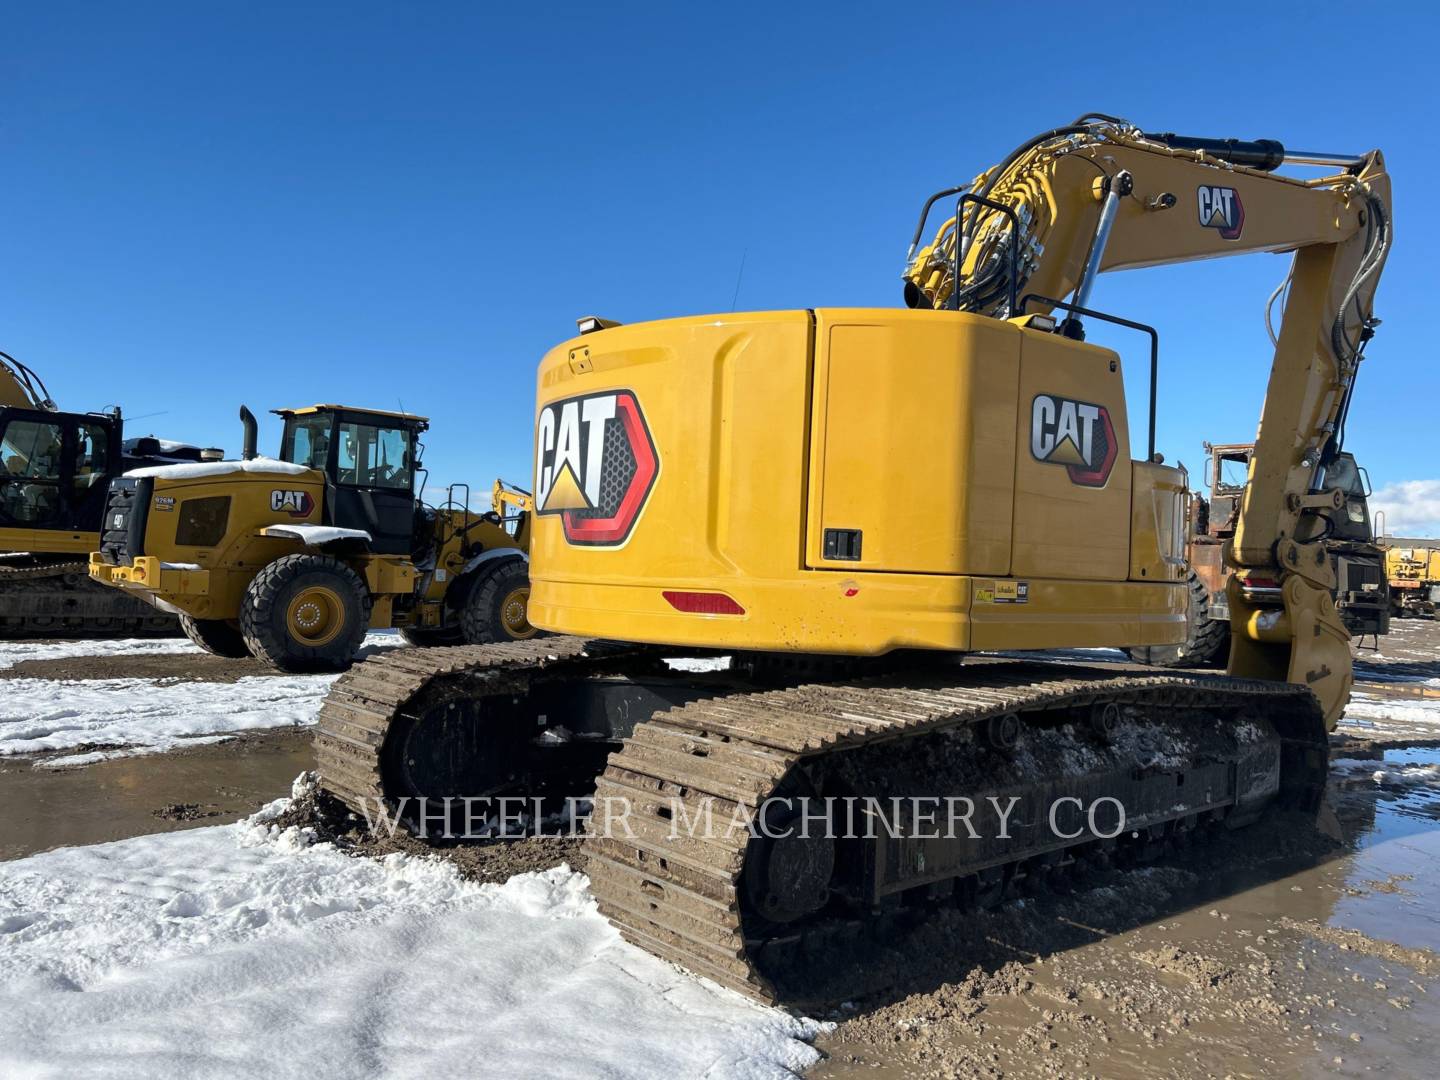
(252,434)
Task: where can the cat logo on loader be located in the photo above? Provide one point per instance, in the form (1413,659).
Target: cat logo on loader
(294,503)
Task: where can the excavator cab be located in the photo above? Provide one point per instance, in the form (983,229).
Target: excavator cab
(54,468)
(369,459)
(1353,520)
(1362,591)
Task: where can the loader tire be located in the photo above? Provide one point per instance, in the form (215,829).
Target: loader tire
(218,637)
(305,614)
(495,609)
(1206,640)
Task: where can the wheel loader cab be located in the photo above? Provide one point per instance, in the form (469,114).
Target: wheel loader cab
(369,460)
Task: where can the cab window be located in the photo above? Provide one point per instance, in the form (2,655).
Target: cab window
(372,456)
(32,450)
(30,470)
(1344,474)
(1231,472)
(307,441)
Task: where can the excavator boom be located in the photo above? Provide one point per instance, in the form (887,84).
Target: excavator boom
(1104,196)
(21,388)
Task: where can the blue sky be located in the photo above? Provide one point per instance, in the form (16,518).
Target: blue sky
(408,204)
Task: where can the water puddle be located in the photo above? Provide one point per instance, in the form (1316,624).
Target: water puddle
(42,809)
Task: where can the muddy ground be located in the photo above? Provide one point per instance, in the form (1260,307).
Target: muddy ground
(182,667)
(1276,950)
(45,808)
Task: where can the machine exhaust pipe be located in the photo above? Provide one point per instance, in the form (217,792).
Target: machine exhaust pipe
(252,434)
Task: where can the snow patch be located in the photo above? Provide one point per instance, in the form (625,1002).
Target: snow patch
(247,949)
(200,469)
(1365,707)
(696,664)
(315,535)
(125,717)
(68,761)
(12,652)
(40,715)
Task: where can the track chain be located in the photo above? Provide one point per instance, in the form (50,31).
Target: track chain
(37,601)
(366,700)
(678,897)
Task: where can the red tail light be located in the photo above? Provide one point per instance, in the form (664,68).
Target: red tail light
(703,603)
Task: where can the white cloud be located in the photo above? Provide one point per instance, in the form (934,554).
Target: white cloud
(1412,508)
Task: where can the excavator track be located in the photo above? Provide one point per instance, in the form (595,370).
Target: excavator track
(366,709)
(689,894)
(45,599)
(1178,750)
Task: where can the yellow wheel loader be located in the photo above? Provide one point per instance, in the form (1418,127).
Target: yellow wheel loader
(850,504)
(55,468)
(292,559)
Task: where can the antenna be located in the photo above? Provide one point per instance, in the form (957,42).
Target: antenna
(736,298)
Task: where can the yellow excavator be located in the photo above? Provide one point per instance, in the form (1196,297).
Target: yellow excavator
(847,502)
(55,468)
(292,559)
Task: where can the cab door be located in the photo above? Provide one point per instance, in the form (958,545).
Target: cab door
(32,470)
(372,484)
(94,458)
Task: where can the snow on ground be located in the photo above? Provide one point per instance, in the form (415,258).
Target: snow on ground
(239,951)
(1387,771)
(130,716)
(40,715)
(12,652)
(1367,711)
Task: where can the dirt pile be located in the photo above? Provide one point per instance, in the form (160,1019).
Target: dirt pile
(479,860)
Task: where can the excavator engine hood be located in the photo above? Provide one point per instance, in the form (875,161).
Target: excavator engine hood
(845,481)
